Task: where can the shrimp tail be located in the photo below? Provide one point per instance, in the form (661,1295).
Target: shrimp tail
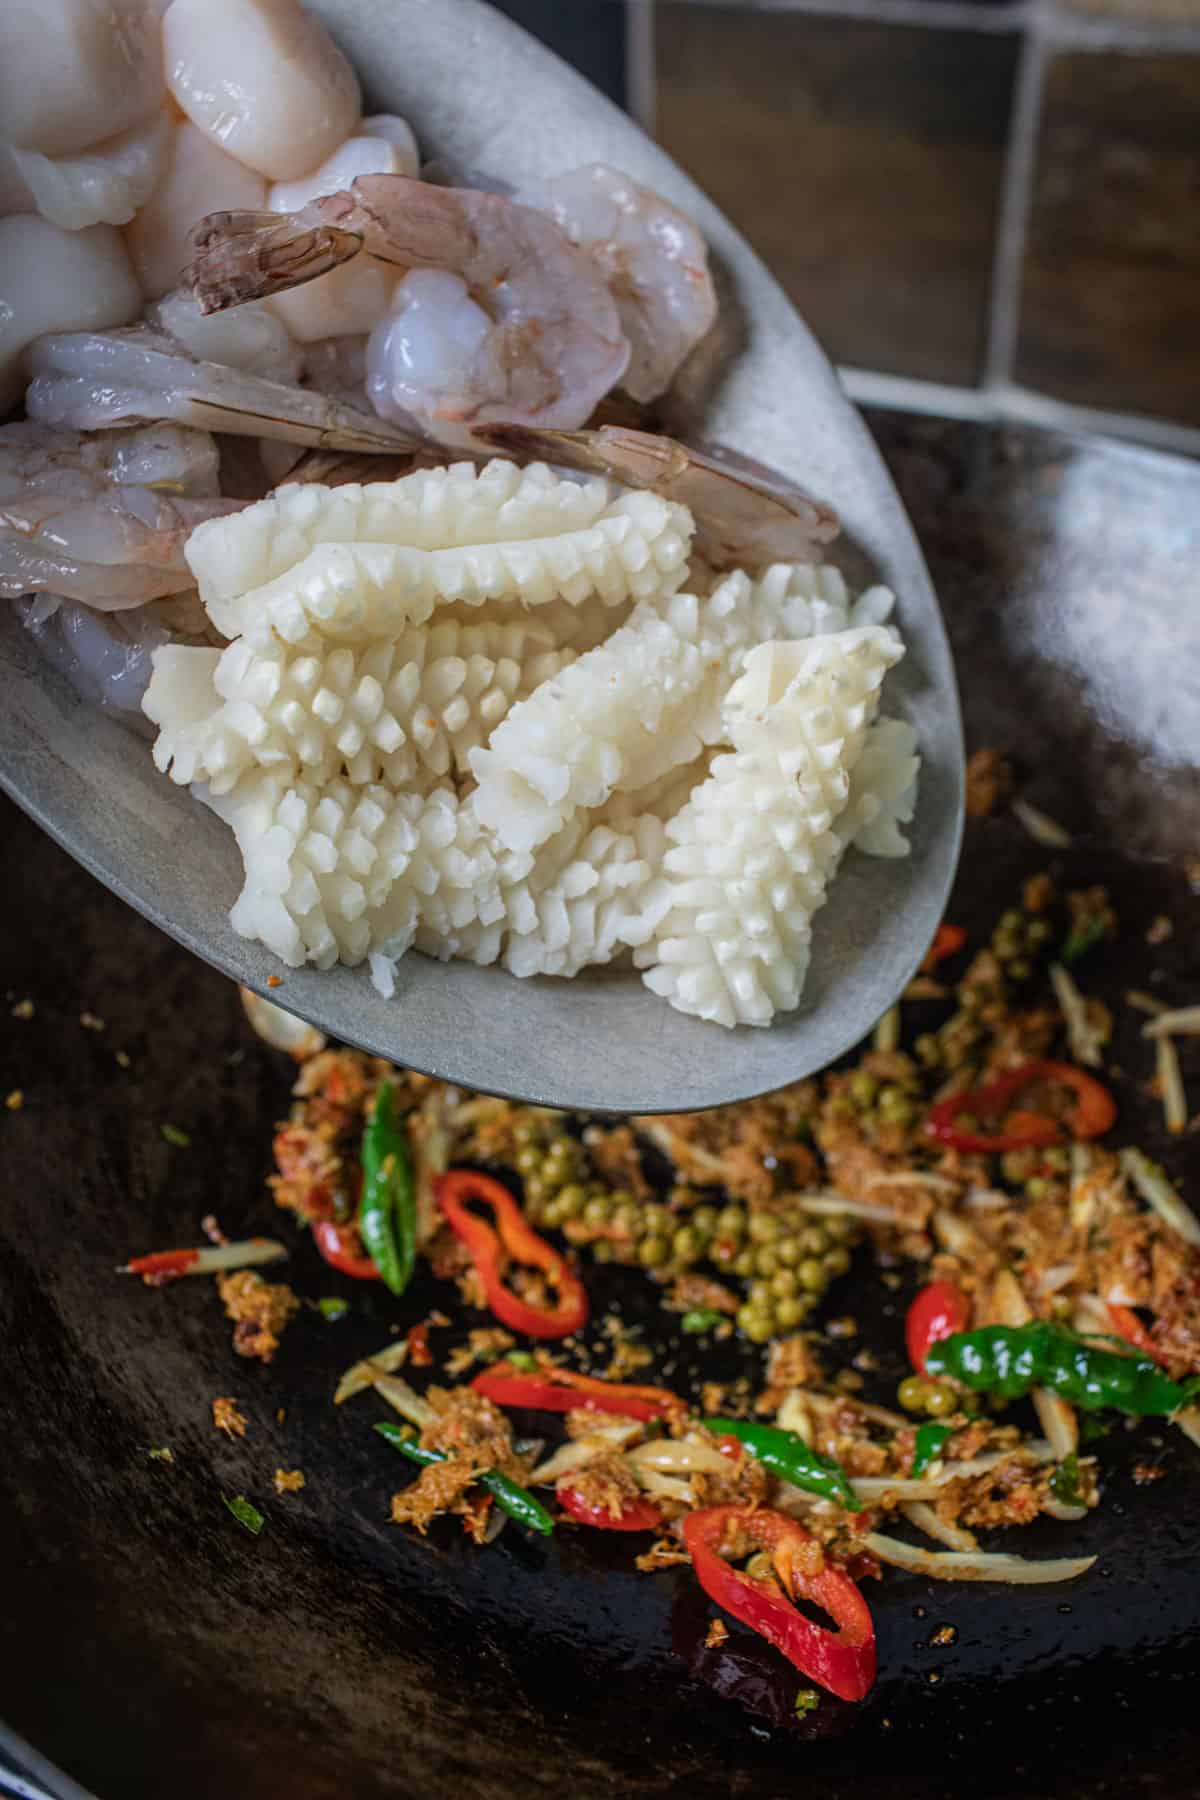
(244,256)
(744,514)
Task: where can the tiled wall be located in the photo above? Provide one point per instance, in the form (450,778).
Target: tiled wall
(1000,197)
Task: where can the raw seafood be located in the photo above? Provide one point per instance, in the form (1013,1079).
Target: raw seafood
(652,257)
(398,711)
(103,520)
(263,79)
(106,656)
(92,381)
(518,323)
(74,74)
(726,934)
(646,701)
(102,186)
(198,177)
(55,280)
(742,514)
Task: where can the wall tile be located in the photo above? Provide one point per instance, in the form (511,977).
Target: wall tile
(588,33)
(1111,297)
(863,161)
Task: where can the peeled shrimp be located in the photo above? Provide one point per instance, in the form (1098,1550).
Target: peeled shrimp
(500,317)
(74,74)
(107,656)
(101,186)
(263,79)
(741,518)
(652,257)
(103,520)
(93,381)
(54,280)
(353,298)
(197,177)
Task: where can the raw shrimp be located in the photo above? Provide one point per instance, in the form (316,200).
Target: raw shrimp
(651,255)
(73,74)
(197,178)
(500,316)
(107,656)
(743,515)
(54,280)
(101,186)
(93,381)
(102,520)
(263,79)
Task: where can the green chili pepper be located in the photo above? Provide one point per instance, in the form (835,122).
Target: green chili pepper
(787,1455)
(1064,1483)
(1010,1359)
(245,1513)
(700,1318)
(928,1445)
(509,1496)
(387,1211)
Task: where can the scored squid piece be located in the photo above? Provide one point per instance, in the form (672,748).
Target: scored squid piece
(726,933)
(647,700)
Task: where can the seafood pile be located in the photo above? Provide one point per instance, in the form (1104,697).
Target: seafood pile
(593,698)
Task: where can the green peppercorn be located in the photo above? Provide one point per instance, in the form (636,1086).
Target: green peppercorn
(940,1399)
(602,1250)
(764,1228)
(1058,1158)
(790,1312)
(551,1213)
(1020,969)
(759,1294)
(529,1160)
(1037,1187)
(746,1315)
(761,1328)
(1012,920)
(743,1263)
(895,1106)
(571,1200)
(911,1393)
(731,1222)
(788,1251)
(653,1251)
(863,1088)
(928,1049)
(1039,931)
(537,1191)
(685,1245)
(657,1220)
(704,1220)
(1015,1165)
(783,1284)
(841,1228)
(836,1262)
(598,1210)
(765,1260)
(816,1239)
(811,1275)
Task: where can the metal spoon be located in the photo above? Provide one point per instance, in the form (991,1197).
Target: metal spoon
(481,94)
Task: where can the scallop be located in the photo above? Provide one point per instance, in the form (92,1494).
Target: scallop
(74,73)
(266,83)
(55,280)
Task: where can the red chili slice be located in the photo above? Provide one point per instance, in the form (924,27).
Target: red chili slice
(562,1390)
(843,1661)
(335,1242)
(635,1515)
(512,1240)
(1092,1115)
(937,1312)
(948,940)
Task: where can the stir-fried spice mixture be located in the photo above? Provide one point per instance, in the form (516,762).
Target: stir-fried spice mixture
(982,1148)
(226,1416)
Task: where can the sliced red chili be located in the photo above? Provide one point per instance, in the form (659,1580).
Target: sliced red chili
(948,940)
(1127,1325)
(937,1312)
(843,1661)
(635,1515)
(512,1240)
(340,1246)
(562,1390)
(163,1265)
(1091,1116)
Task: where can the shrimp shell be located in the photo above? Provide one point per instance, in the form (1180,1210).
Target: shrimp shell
(741,518)
(97,380)
(242,256)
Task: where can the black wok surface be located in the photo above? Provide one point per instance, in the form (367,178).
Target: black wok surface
(149,1646)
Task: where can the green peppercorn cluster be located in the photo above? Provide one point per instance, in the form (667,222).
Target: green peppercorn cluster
(917,1393)
(786,1258)
(1019,939)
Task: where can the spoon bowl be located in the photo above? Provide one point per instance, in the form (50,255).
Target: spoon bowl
(481,94)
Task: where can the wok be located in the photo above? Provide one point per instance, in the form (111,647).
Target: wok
(149,1646)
